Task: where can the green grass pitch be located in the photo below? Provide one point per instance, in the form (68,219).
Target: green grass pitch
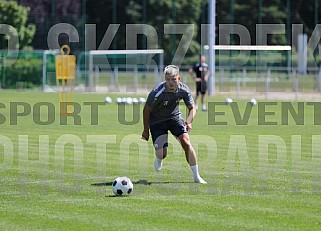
(263,174)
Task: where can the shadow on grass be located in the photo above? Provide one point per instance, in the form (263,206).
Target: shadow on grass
(142,182)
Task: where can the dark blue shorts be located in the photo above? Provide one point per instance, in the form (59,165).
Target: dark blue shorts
(160,130)
(201,87)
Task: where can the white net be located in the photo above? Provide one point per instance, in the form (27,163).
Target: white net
(121,70)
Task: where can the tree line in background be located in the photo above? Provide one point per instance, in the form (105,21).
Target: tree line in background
(42,15)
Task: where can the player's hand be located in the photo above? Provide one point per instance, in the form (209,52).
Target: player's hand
(198,80)
(145,135)
(188,126)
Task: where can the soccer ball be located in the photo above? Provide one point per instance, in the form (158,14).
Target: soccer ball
(135,101)
(108,100)
(122,186)
(252,102)
(129,100)
(118,100)
(228,101)
(142,100)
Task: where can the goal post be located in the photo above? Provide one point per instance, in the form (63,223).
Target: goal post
(129,61)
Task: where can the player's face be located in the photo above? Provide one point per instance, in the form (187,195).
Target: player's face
(172,82)
(202,59)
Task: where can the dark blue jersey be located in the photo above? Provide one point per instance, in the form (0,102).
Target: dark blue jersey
(165,105)
(200,70)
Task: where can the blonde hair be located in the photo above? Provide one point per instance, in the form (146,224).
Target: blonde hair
(171,70)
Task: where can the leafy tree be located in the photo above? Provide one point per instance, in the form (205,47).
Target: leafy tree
(153,13)
(246,13)
(102,15)
(159,13)
(16,16)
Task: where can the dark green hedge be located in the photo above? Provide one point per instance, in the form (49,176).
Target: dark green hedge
(26,73)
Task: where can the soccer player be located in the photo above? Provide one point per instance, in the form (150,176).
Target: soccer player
(200,72)
(161,114)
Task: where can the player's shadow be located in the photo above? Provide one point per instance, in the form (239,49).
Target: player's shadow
(142,182)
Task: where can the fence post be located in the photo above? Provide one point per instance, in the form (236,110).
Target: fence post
(156,75)
(244,77)
(267,83)
(222,80)
(114,79)
(96,77)
(295,83)
(135,78)
(319,80)
(238,83)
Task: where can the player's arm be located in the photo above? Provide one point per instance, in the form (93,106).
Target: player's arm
(146,115)
(192,73)
(207,74)
(190,116)
(189,102)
